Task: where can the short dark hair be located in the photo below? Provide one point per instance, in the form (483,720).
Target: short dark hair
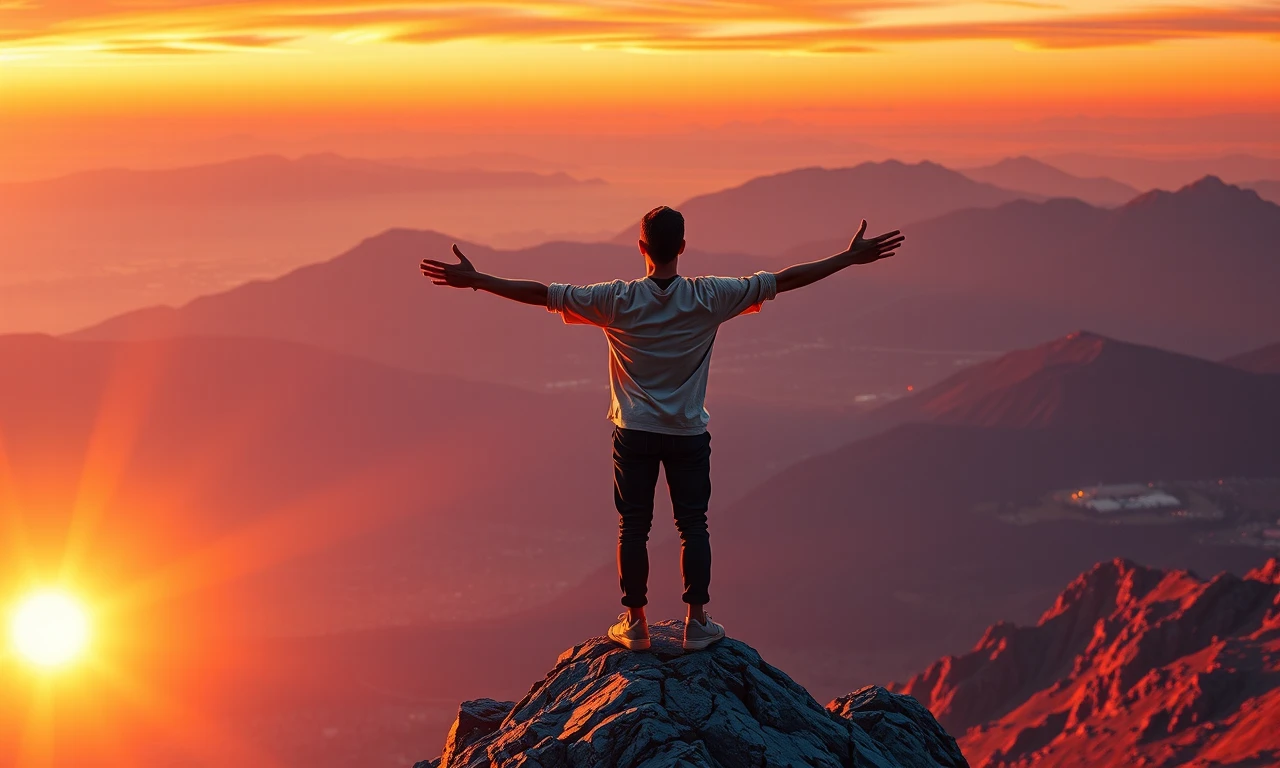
(662,231)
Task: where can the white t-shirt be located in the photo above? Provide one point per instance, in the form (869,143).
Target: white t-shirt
(660,341)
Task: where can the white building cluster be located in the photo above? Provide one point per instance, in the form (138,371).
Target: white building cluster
(1131,497)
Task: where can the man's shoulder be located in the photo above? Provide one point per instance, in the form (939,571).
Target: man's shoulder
(608,286)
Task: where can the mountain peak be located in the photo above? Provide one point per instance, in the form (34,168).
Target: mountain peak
(1268,572)
(1207,191)
(1037,177)
(1209,182)
(1104,586)
(603,705)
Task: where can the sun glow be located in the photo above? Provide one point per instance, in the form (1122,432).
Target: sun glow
(50,629)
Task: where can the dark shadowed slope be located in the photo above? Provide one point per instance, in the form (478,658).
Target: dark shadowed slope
(901,543)
(926,506)
(268,178)
(1026,174)
(771,214)
(1263,360)
(891,551)
(1131,666)
(1086,383)
(725,706)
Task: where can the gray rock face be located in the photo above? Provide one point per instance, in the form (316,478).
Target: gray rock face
(721,708)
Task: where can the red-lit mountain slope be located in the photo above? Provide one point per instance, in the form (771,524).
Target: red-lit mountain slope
(1131,666)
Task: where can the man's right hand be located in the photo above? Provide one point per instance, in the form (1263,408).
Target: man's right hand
(460,275)
(867,251)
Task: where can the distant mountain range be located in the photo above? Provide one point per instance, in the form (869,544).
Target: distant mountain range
(1131,666)
(771,214)
(1036,178)
(270,178)
(985,279)
(1188,270)
(1168,172)
(373,302)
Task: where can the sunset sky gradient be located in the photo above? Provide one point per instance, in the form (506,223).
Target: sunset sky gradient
(553,62)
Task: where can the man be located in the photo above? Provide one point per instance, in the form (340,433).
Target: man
(660,331)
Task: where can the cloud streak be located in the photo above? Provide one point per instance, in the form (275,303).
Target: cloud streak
(808,26)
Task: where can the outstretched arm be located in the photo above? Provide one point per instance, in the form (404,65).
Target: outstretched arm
(860,251)
(464,275)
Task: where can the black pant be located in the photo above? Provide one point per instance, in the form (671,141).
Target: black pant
(687,460)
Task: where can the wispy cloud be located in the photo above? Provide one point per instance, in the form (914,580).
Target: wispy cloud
(816,26)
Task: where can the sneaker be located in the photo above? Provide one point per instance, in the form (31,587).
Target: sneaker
(698,636)
(634,637)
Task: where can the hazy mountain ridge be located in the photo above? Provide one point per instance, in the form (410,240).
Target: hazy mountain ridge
(1034,177)
(1128,272)
(771,214)
(1168,172)
(1131,666)
(372,301)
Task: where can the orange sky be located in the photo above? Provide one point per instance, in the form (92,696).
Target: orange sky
(258,66)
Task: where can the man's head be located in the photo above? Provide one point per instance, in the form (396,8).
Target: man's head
(662,234)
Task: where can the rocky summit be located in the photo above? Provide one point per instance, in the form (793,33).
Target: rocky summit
(723,707)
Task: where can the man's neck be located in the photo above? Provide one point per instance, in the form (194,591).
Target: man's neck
(662,270)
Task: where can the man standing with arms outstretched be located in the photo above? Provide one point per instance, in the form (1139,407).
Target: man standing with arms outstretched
(660,330)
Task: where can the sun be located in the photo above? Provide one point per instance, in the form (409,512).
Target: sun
(50,629)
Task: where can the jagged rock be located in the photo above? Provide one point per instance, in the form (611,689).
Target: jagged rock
(900,726)
(1131,666)
(721,708)
(476,719)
